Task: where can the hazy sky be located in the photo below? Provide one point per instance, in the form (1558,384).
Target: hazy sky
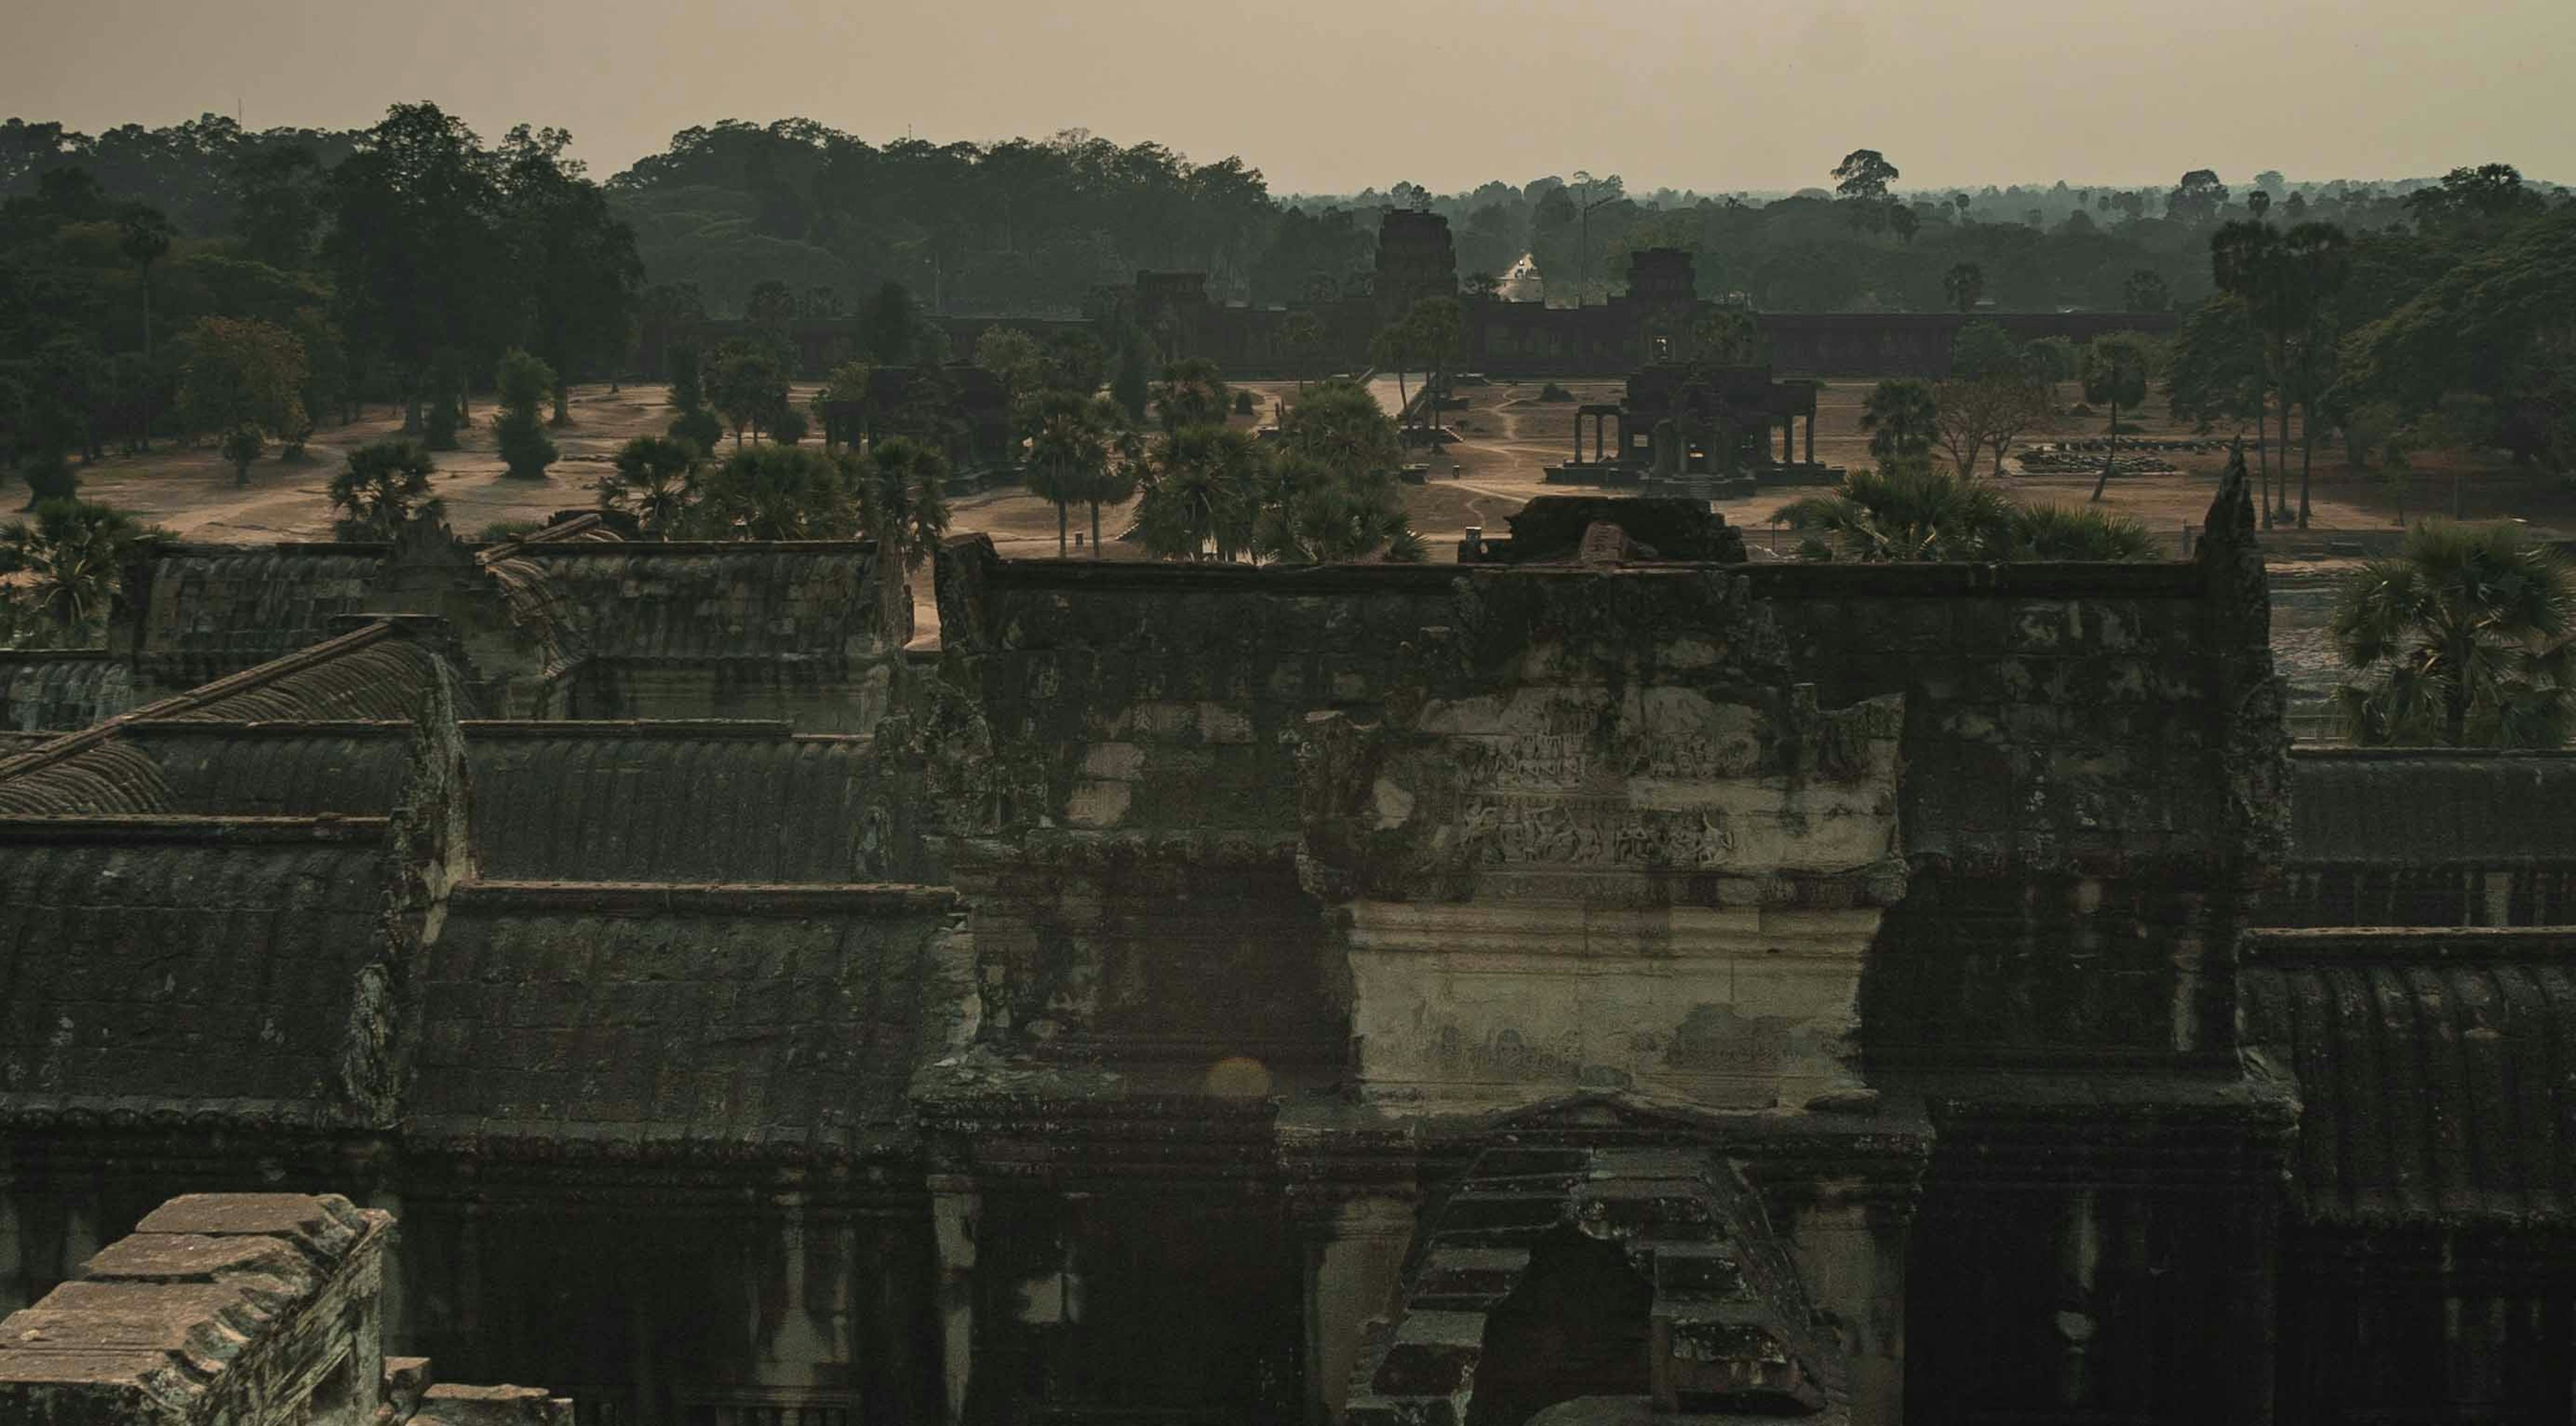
(1335,95)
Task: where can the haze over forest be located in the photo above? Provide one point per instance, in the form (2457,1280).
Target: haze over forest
(1333,96)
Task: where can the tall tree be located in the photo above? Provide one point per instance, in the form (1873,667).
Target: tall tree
(2197,198)
(522,384)
(2217,375)
(144,235)
(1864,174)
(577,276)
(2316,262)
(902,506)
(2116,368)
(1991,397)
(1066,448)
(1015,360)
(1438,327)
(1122,468)
(1902,416)
(414,244)
(242,375)
(889,326)
(746,383)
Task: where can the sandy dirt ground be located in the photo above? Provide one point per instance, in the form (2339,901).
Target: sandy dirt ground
(1506,439)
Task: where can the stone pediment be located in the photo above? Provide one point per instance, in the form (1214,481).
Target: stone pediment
(1588,1114)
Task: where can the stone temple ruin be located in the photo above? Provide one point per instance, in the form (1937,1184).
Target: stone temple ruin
(1697,430)
(1605,981)
(237,1309)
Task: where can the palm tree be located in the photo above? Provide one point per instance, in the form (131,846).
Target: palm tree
(1910,511)
(656,476)
(2461,641)
(2287,282)
(2317,262)
(1900,511)
(1191,393)
(2245,261)
(72,557)
(1392,349)
(143,235)
(1902,416)
(1199,498)
(1065,447)
(1114,479)
(901,506)
(2051,532)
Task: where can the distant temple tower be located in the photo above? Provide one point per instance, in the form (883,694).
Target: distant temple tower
(1662,275)
(1415,259)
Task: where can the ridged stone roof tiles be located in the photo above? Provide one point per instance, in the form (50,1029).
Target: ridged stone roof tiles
(2437,1069)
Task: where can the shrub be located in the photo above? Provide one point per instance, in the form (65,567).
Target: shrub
(524,383)
(699,427)
(383,485)
(50,477)
(439,429)
(1243,403)
(788,426)
(1554,392)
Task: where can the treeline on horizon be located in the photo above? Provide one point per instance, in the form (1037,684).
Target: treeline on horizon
(1036,227)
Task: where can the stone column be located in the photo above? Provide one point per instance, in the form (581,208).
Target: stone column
(1354,1259)
(955,1205)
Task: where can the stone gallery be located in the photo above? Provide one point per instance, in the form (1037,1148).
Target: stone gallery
(1607,980)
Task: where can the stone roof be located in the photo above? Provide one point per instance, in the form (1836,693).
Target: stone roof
(2437,1069)
(210,611)
(2409,806)
(685,802)
(182,966)
(58,692)
(578,601)
(781,1018)
(371,674)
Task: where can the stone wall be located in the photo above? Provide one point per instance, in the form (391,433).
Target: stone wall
(237,1309)
(2428,837)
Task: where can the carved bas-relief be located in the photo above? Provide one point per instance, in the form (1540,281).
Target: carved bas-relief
(1659,891)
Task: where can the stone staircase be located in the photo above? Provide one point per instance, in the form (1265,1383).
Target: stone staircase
(1730,1328)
